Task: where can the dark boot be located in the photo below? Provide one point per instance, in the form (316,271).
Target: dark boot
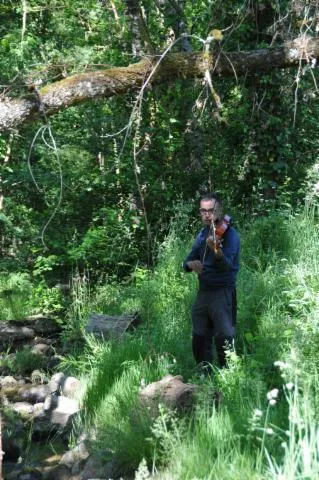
(222,344)
(208,350)
(198,345)
(202,351)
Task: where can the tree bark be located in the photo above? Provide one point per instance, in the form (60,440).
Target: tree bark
(141,41)
(119,80)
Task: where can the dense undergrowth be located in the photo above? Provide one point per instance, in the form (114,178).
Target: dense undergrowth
(267,424)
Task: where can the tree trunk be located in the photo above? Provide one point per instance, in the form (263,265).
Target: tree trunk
(119,80)
(141,41)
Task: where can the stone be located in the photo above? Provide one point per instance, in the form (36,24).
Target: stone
(37,339)
(52,362)
(33,393)
(77,454)
(42,429)
(38,377)
(43,325)
(70,387)
(64,411)
(56,381)
(8,381)
(42,349)
(38,409)
(24,409)
(170,391)
(95,468)
(61,472)
(30,474)
(10,333)
(9,393)
(50,401)
(12,450)
(107,326)
(10,471)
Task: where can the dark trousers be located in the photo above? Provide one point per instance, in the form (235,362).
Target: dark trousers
(214,316)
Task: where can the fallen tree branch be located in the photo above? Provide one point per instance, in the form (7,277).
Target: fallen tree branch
(119,80)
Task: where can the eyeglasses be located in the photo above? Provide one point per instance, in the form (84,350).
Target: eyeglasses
(210,211)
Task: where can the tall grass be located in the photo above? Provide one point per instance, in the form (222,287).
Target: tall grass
(278,291)
(15,290)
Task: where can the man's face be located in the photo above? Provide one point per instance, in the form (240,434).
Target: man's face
(208,211)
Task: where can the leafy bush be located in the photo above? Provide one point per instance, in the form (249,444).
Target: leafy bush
(25,361)
(15,292)
(277,319)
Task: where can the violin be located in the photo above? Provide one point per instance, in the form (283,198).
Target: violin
(216,232)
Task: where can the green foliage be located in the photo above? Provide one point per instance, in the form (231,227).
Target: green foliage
(25,362)
(260,155)
(15,291)
(259,150)
(278,320)
(44,264)
(46,300)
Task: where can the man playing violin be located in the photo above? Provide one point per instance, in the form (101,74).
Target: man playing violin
(215,259)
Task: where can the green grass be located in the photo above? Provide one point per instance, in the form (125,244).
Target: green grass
(278,291)
(15,290)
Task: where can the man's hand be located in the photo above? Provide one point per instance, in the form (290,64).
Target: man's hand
(214,243)
(196,266)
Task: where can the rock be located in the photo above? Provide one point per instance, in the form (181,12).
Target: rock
(33,393)
(76,455)
(8,381)
(95,468)
(47,341)
(10,333)
(70,387)
(10,471)
(64,411)
(170,391)
(107,326)
(12,450)
(9,393)
(56,381)
(43,325)
(17,331)
(42,429)
(24,409)
(30,474)
(38,377)
(61,472)
(52,362)
(42,349)
(38,409)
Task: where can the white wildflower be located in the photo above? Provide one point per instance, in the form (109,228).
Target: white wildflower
(257,413)
(272,394)
(281,365)
(269,431)
(289,386)
(272,402)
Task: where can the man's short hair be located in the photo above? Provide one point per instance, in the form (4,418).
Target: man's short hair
(218,206)
(212,196)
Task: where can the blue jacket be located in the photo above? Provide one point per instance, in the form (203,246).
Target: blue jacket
(216,272)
